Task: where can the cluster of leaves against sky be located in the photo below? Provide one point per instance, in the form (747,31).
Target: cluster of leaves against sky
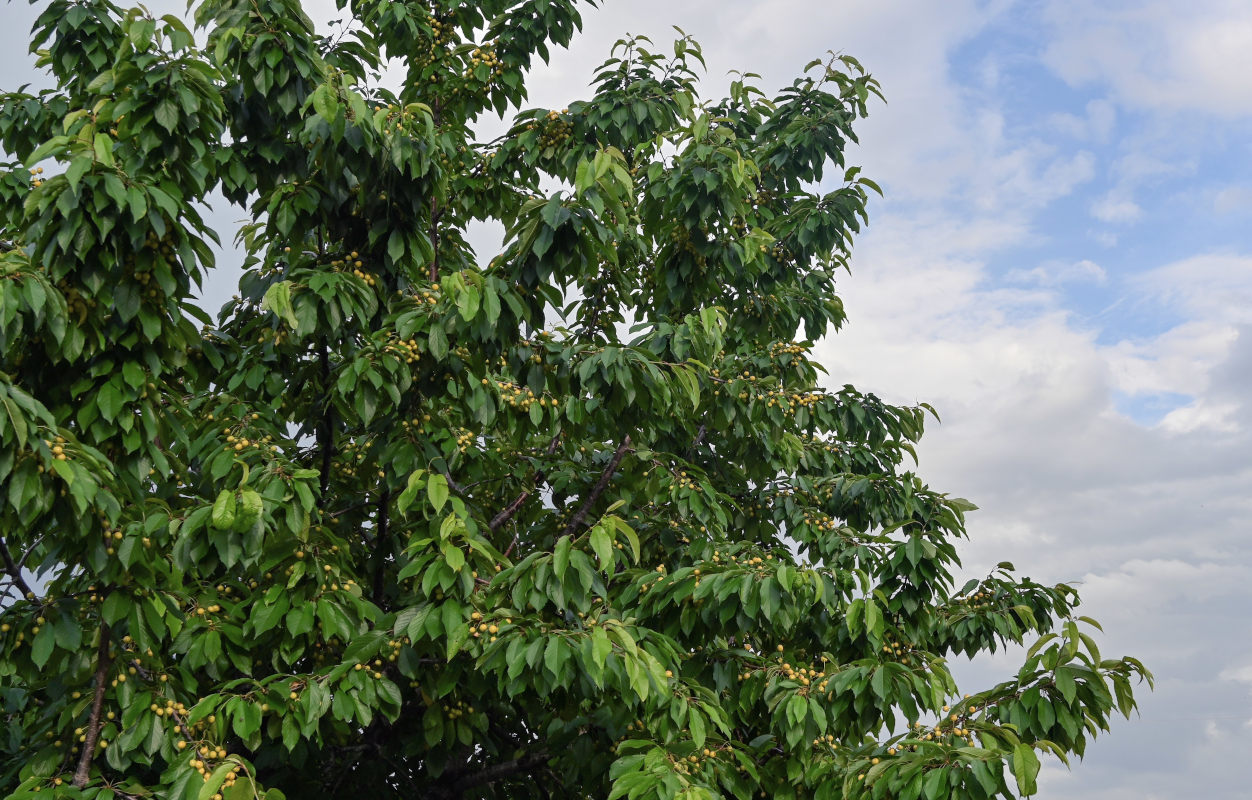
(580,520)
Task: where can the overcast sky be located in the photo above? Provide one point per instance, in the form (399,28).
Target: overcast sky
(1062,266)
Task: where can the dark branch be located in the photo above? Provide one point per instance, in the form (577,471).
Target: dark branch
(346,509)
(326,430)
(21,562)
(83,773)
(436,212)
(492,774)
(14,571)
(699,437)
(512,508)
(381,541)
(599,488)
(453,485)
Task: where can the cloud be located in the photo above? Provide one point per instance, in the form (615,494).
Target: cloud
(1155,586)
(1148,519)
(1095,125)
(1232,200)
(1156,55)
(1058,273)
(1114,209)
(1216,287)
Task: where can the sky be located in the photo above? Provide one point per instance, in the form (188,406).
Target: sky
(1061,266)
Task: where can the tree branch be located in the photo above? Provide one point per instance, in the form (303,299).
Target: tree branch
(346,509)
(435,214)
(699,437)
(436,109)
(599,488)
(326,432)
(14,571)
(512,508)
(83,772)
(504,516)
(380,542)
(493,773)
(21,562)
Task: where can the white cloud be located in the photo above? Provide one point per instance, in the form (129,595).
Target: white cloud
(1216,287)
(1095,125)
(1155,586)
(1159,54)
(1203,415)
(1232,200)
(1178,360)
(1148,522)
(1059,273)
(1240,674)
(1114,209)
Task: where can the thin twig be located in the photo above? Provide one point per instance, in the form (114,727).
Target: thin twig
(14,571)
(453,485)
(509,550)
(346,509)
(94,722)
(599,488)
(21,562)
(182,726)
(512,508)
(699,437)
(140,670)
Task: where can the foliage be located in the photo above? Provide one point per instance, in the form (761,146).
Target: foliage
(578,521)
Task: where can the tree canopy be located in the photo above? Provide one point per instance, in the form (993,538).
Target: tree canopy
(578,518)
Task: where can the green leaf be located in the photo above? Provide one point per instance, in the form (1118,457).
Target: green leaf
(68,633)
(216,779)
(437,342)
(223,517)
(456,638)
(1064,677)
(46,149)
(1025,768)
(602,544)
(325,103)
(416,482)
(249,510)
(437,491)
(601,646)
(468,302)
(454,556)
(278,300)
(560,556)
(631,537)
(395,245)
(116,607)
(103,147)
(554,656)
(797,710)
(247,719)
(41,648)
(874,625)
(109,400)
(695,723)
(166,115)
